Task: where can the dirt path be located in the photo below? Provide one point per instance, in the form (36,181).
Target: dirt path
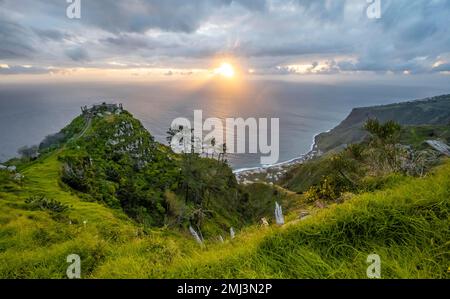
(86,127)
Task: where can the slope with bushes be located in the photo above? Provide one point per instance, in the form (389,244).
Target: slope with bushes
(433,112)
(408,226)
(103,189)
(388,151)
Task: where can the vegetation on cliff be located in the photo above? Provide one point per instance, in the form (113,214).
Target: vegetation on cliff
(102,188)
(432,115)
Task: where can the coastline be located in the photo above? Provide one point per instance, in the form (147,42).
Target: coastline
(272,173)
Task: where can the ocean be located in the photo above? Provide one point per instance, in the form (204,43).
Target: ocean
(29,112)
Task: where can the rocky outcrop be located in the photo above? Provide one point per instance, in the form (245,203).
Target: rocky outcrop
(440,146)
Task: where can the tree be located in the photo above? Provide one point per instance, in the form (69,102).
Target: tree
(224,152)
(213,145)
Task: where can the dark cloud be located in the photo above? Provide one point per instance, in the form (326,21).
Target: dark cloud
(323,9)
(169,15)
(77,54)
(18,69)
(300,47)
(14,40)
(252,5)
(52,34)
(270,35)
(125,42)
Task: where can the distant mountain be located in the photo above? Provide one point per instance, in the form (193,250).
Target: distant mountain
(430,111)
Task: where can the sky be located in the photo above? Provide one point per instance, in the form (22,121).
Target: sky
(261,38)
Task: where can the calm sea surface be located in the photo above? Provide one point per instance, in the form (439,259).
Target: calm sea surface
(30,112)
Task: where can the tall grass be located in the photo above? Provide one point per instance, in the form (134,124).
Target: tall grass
(408,226)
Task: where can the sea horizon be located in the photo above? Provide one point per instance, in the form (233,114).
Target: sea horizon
(305,109)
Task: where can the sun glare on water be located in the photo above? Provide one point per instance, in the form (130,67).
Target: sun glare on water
(226,70)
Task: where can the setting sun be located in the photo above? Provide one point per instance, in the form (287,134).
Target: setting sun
(225,70)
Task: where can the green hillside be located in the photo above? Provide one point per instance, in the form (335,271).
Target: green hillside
(408,226)
(434,111)
(301,177)
(102,188)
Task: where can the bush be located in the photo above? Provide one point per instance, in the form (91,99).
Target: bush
(329,189)
(43,203)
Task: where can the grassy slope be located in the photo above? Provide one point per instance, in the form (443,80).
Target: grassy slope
(301,177)
(407,226)
(35,244)
(415,135)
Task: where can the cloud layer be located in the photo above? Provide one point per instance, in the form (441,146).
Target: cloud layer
(267,36)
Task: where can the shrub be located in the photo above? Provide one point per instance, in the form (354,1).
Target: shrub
(329,189)
(43,203)
(384,139)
